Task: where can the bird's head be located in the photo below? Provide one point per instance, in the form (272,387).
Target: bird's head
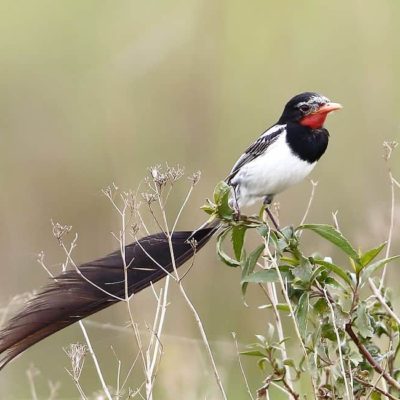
(308,109)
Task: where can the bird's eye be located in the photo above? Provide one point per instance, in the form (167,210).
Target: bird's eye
(304,108)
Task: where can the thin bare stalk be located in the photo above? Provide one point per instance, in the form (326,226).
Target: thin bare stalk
(95,361)
(241,367)
(189,193)
(53,387)
(388,147)
(86,336)
(391,225)
(346,384)
(117,391)
(181,288)
(155,342)
(292,313)
(314,184)
(205,340)
(31,373)
(381,300)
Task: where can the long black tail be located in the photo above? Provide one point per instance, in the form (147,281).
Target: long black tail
(69,297)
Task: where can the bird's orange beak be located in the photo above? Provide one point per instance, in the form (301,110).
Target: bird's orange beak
(327,108)
(316,119)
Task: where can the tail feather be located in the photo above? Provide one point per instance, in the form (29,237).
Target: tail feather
(70,297)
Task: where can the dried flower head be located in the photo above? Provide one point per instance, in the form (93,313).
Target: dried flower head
(59,231)
(193,243)
(76,352)
(149,197)
(175,173)
(158,176)
(388,147)
(110,191)
(195,177)
(134,230)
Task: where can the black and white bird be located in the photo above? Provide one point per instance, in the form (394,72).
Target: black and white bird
(285,153)
(281,157)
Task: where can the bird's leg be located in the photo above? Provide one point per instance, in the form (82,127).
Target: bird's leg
(267,202)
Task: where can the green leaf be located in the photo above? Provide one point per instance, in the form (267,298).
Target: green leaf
(222,255)
(263,363)
(335,269)
(280,306)
(375,395)
(302,313)
(209,209)
(268,275)
(254,353)
(368,256)
(363,322)
(221,198)
(238,233)
(304,271)
(321,306)
(372,268)
(220,191)
(328,332)
(341,317)
(331,234)
(249,264)
(289,362)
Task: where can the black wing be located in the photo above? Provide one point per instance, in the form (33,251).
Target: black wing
(256,149)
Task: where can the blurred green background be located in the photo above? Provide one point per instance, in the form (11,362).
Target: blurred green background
(94,92)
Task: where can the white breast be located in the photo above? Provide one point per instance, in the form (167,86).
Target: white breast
(270,173)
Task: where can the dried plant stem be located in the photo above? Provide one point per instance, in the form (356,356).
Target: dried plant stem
(373,387)
(392,382)
(273,298)
(391,225)
(83,329)
(155,343)
(241,366)
(54,387)
(205,340)
(30,374)
(384,304)
(95,361)
(314,184)
(189,193)
(288,302)
(182,289)
(346,384)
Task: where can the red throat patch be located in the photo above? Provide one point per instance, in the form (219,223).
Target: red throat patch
(314,121)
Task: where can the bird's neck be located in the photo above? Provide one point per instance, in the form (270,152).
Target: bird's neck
(307,143)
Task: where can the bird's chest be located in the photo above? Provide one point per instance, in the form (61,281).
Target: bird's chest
(307,144)
(275,170)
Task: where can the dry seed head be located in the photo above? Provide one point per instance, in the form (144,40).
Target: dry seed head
(195,177)
(76,353)
(135,228)
(388,147)
(59,231)
(193,243)
(110,190)
(175,173)
(158,176)
(149,197)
